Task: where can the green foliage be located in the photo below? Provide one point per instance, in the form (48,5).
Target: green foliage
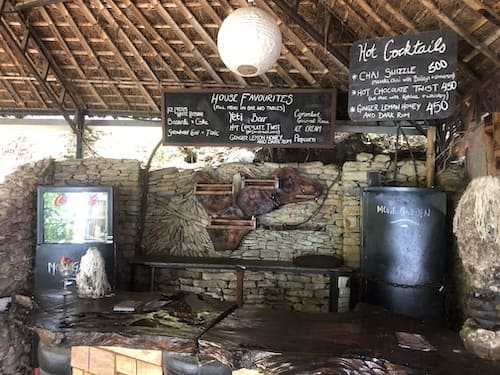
(55,220)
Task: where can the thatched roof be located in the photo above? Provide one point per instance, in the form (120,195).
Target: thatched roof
(114,57)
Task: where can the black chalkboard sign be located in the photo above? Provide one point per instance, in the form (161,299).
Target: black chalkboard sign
(248,117)
(407,77)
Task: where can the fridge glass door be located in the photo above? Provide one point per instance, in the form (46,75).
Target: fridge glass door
(76,216)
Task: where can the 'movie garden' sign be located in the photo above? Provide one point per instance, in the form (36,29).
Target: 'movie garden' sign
(248,117)
(407,77)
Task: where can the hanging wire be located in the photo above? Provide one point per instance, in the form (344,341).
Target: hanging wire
(412,157)
(144,200)
(395,174)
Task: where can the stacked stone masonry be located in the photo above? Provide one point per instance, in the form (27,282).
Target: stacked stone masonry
(333,229)
(320,233)
(17,252)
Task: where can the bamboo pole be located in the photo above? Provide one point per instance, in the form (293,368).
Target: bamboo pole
(431,156)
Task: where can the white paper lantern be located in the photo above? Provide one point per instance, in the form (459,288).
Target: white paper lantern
(249,41)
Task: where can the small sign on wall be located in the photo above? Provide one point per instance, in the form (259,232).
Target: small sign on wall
(406,77)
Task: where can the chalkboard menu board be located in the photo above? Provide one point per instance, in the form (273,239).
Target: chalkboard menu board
(248,117)
(407,77)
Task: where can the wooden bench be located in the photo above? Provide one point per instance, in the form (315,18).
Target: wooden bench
(239,266)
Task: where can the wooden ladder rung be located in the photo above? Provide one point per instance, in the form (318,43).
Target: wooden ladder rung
(305,196)
(213,189)
(232,224)
(262,184)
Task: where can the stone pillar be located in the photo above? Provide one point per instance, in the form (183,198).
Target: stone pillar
(477,227)
(17,252)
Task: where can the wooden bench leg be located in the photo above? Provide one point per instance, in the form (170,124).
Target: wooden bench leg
(152,280)
(333,300)
(239,287)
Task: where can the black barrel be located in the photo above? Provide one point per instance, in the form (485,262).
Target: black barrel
(403,250)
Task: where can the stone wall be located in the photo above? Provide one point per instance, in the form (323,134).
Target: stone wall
(331,226)
(176,225)
(17,254)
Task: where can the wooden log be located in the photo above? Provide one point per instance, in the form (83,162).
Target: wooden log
(431,157)
(239,287)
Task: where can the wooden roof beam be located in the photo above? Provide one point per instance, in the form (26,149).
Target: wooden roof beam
(88,49)
(13,93)
(370,32)
(306,51)
(488,41)
(144,40)
(368,9)
(110,19)
(29,4)
(15,47)
(328,26)
(68,52)
(161,42)
(285,76)
(399,16)
(488,15)
(21,55)
(188,43)
(21,74)
(479,45)
(339,59)
(483,9)
(203,33)
(46,60)
(90,16)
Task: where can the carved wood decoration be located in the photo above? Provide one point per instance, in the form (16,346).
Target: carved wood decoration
(234,206)
(226,234)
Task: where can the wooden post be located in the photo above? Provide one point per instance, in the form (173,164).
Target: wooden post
(492,143)
(333,295)
(152,279)
(496,142)
(80,123)
(431,156)
(239,286)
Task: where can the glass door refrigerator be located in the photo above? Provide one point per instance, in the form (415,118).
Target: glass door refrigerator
(71,219)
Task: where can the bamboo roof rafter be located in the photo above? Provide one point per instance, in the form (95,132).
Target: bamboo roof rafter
(98,56)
